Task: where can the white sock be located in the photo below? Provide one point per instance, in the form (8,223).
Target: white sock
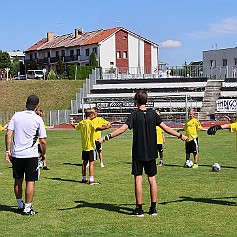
(91,178)
(20,202)
(161,160)
(27,207)
(84,178)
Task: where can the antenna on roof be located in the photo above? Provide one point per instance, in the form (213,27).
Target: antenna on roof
(58,26)
(116,23)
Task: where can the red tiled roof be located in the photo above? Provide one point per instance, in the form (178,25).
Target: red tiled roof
(85,38)
(37,45)
(101,35)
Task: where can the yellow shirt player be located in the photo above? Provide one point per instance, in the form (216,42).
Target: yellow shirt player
(88,129)
(160,142)
(100,122)
(192,126)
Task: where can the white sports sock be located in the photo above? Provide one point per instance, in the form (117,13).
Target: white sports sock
(20,202)
(91,178)
(27,207)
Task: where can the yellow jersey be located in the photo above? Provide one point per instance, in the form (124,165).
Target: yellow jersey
(1,127)
(233,128)
(99,122)
(87,128)
(159,134)
(192,126)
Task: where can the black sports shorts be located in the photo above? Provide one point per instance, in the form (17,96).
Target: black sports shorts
(27,167)
(88,155)
(150,167)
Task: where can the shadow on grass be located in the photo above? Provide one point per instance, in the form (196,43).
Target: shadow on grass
(8,209)
(207,165)
(203,200)
(72,164)
(65,180)
(119,208)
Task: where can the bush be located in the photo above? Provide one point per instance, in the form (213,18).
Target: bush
(82,72)
(52,75)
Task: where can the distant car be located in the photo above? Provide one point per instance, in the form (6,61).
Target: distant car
(35,74)
(20,77)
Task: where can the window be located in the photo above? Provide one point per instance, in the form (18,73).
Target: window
(118,54)
(63,53)
(57,54)
(48,54)
(235,61)
(125,54)
(224,62)
(213,63)
(35,55)
(94,50)
(71,52)
(87,52)
(124,37)
(31,56)
(78,52)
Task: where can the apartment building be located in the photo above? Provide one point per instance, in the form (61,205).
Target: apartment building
(114,48)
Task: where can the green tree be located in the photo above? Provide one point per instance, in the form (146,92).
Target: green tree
(5,61)
(52,75)
(60,68)
(93,62)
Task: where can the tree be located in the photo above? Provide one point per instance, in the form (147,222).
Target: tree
(93,62)
(60,67)
(5,61)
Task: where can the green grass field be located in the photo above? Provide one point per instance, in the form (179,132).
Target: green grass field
(191,202)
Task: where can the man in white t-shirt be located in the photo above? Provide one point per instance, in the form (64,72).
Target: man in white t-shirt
(25,127)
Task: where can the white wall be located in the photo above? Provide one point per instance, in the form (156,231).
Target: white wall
(107,52)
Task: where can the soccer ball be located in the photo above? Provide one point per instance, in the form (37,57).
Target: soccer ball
(216,167)
(188,164)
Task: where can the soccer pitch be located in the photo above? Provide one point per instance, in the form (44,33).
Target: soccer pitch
(191,202)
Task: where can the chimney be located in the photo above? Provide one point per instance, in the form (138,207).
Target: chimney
(78,32)
(50,36)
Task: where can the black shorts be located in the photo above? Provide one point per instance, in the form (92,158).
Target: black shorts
(149,167)
(88,155)
(192,146)
(98,147)
(160,147)
(25,167)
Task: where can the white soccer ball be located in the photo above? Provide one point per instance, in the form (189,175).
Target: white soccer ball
(189,164)
(216,167)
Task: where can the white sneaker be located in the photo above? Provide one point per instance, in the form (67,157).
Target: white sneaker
(102,165)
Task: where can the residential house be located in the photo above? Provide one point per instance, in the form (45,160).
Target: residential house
(220,63)
(114,48)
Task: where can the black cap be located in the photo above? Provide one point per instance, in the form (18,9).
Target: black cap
(32,101)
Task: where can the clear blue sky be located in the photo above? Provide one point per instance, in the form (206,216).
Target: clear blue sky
(182,28)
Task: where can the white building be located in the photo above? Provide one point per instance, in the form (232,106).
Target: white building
(220,63)
(115,48)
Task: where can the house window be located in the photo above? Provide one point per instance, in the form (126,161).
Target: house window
(87,52)
(63,53)
(35,55)
(224,61)
(57,54)
(124,37)
(78,52)
(118,54)
(31,56)
(71,52)
(235,61)
(94,50)
(213,63)
(125,54)
(48,54)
